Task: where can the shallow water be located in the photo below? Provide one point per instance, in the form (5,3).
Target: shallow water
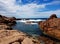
(31,29)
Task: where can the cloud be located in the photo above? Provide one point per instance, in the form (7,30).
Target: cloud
(55,2)
(10,8)
(47,13)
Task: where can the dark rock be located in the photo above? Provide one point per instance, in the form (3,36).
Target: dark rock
(8,21)
(53,16)
(46,40)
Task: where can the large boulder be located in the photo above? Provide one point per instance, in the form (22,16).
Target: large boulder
(51,26)
(53,16)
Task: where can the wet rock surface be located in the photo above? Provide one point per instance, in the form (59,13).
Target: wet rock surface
(51,27)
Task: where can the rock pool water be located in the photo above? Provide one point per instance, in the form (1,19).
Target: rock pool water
(31,29)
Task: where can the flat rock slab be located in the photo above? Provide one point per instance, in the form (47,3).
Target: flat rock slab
(9,36)
(15,37)
(27,41)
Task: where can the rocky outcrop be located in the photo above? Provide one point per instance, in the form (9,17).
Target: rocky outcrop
(5,27)
(10,36)
(15,37)
(51,26)
(53,16)
(7,20)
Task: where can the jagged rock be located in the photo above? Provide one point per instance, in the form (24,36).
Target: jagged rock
(7,20)
(51,27)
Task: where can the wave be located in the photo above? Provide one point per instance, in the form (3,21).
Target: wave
(30,20)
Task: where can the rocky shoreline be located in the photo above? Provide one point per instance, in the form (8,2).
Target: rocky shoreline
(51,28)
(10,36)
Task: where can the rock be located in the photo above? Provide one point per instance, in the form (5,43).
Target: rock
(5,27)
(27,41)
(10,36)
(53,16)
(14,37)
(47,40)
(8,21)
(16,43)
(51,27)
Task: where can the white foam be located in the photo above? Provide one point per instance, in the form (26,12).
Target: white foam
(30,23)
(22,21)
(35,20)
(30,20)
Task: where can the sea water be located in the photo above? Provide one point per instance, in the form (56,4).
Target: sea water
(31,29)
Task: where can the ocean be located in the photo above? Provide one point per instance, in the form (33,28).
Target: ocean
(31,29)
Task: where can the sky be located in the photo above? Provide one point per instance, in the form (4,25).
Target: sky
(29,8)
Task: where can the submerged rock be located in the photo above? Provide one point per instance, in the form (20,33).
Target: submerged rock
(51,26)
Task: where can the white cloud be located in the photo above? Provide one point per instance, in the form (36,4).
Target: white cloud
(48,13)
(9,8)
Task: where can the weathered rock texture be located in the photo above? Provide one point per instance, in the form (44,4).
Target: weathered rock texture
(51,26)
(46,40)
(5,27)
(15,37)
(10,36)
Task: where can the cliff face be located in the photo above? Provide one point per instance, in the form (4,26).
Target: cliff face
(51,26)
(10,36)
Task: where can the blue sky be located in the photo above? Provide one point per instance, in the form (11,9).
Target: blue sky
(30,8)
